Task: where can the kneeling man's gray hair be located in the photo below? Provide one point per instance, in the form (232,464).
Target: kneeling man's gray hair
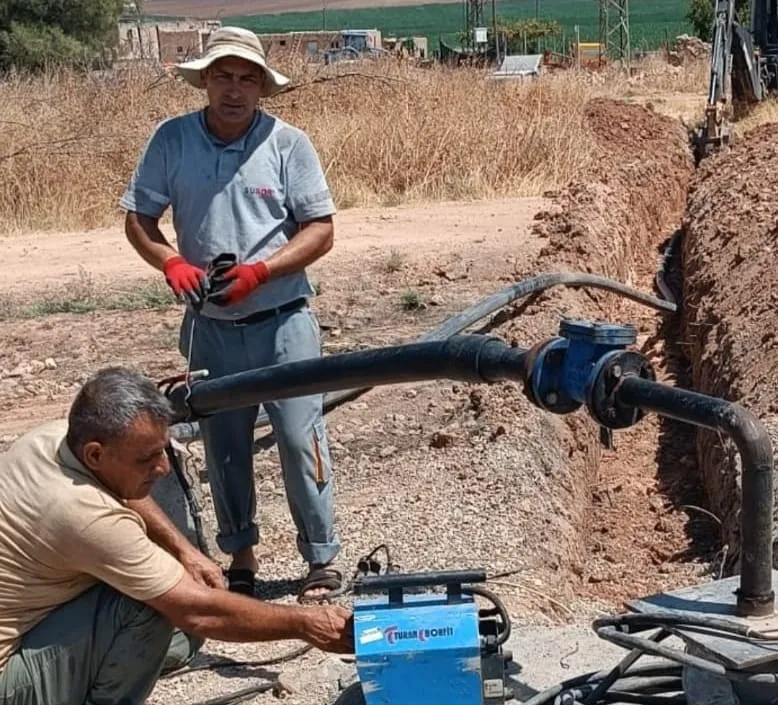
(109,403)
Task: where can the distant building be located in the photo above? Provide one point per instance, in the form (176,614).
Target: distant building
(309,44)
(411,47)
(321,44)
(164,42)
(171,42)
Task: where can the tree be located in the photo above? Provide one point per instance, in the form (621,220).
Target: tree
(35,33)
(702,13)
(523,36)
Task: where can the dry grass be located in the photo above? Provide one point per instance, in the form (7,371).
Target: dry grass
(761,114)
(391,134)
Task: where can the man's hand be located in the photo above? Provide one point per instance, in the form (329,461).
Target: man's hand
(227,616)
(186,281)
(202,569)
(330,628)
(244,277)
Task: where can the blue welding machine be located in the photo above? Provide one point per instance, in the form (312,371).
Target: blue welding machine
(417,647)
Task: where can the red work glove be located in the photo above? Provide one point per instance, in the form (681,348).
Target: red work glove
(186,281)
(245,278)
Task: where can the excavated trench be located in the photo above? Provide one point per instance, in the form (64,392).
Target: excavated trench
(613,224)
(611,524)
(723,342)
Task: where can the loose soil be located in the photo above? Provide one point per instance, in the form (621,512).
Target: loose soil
(450,475)
(731,292)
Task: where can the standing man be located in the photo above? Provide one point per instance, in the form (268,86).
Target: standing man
(243,182)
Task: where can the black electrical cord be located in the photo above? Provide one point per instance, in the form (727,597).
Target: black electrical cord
(505,632)
(640,622)
(239,696)
(636,680)
(634,642)
(624,684)
(230,663)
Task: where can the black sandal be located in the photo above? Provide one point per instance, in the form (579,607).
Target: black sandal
(319,577)
(241,581)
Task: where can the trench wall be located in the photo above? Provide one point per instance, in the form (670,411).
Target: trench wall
(730,243)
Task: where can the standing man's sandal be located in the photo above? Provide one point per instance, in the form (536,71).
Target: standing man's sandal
(319,577)
(241,580)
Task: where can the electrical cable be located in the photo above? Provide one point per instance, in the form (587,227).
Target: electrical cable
(239,696)
(640,622)
(230,663)
(499,606)
(638,679)
(616,687)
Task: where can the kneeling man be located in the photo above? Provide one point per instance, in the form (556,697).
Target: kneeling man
(98,589)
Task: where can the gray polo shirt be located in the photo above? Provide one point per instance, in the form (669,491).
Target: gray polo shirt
(247,197)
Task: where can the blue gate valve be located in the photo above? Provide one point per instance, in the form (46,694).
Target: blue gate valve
(581,367)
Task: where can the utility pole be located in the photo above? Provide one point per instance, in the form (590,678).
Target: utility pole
(474,17)
(494,32)
(614,31)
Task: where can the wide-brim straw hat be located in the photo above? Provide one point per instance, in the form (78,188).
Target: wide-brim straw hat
(237,42)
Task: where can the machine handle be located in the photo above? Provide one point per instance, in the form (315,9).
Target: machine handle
(394,583)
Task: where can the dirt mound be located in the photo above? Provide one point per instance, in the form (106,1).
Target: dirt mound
(731,292)
(634,198)
(611,225)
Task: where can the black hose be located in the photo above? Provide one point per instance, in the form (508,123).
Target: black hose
(639,622)
(190,430)
(622,667)
(629,641)
(645,677)
(502,637)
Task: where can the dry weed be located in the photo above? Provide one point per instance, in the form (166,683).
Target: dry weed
(761,114)
(386,133)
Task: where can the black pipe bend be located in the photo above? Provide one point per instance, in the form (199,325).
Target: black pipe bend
(755,597)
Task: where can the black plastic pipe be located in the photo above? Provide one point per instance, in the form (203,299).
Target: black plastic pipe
(465,358)
(756,596)
(460,322)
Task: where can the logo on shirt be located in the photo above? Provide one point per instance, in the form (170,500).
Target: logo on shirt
(260,191)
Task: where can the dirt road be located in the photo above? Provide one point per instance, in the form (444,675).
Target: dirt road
(53,259)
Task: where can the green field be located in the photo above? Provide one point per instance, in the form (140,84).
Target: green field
(651,21)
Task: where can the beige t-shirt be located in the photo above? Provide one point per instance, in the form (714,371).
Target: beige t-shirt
(61,532)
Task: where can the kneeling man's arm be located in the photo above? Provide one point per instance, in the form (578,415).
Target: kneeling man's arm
(110,544)
(226,616)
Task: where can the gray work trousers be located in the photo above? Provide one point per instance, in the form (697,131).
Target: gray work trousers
(101,648)
(298,425)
